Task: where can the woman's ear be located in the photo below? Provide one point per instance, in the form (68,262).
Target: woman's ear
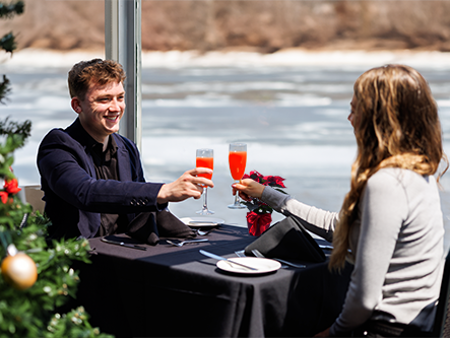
(75,103)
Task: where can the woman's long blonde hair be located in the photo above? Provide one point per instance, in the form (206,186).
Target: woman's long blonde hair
(396,125)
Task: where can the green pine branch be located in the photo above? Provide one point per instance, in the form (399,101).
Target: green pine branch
(8,42)
(14,8)
(31,312)
(5,88)
(15,128)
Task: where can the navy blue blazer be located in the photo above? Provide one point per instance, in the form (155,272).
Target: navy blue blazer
(74,197)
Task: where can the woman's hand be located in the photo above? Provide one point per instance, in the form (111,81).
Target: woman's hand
(248,188)
(325,333)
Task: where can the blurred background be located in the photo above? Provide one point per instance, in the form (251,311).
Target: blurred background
(277,75)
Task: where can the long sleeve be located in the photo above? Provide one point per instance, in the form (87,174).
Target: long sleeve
(318,221)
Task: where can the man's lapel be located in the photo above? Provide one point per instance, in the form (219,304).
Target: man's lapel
(123,161)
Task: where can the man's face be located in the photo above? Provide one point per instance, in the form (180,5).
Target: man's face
(101,109)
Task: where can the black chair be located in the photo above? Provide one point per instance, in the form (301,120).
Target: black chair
(442,321)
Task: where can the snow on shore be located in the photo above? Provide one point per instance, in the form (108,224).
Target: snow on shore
(288,57)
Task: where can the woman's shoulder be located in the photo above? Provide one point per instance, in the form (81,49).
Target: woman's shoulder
(398,177)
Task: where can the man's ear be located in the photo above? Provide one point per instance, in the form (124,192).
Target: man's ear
(75,103)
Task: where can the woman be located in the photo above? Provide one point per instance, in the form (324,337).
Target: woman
(390,225)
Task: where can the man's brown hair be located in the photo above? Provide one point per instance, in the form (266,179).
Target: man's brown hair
(98,71)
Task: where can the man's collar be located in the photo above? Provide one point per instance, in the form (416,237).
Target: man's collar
(80,134)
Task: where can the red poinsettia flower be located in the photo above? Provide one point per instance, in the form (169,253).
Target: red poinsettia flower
(256,205)
(12,186)
(275,181)
(255,176)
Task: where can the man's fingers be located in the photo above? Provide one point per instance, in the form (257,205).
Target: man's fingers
(192,176)
(201,181)
(186,186)
(197,171)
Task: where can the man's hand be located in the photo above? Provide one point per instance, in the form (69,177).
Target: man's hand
(186,186)
(248,188)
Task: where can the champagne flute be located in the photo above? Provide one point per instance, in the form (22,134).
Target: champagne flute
(237,158)
(205,159)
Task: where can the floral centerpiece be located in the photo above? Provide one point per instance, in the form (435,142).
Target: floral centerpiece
(260,214)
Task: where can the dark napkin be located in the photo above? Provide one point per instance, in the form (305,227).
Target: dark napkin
(150,227)
(287,239)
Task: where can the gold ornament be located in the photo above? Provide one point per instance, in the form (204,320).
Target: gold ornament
(18,269)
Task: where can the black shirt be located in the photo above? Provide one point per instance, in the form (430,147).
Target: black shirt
(106,168)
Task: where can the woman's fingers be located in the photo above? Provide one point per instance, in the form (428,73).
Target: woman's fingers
(249,188)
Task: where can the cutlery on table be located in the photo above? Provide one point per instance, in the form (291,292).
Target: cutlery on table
(179,244)
(203,232)
(220,258)
(126,245)
(260,255)
(240,253)
(257,253)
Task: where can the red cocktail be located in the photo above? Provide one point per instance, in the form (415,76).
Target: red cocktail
(205,159)
(237,158)
(205,162)
(237,161)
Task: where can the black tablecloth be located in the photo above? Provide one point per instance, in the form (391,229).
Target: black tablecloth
(177,292)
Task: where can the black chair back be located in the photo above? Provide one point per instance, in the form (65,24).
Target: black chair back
(442,320)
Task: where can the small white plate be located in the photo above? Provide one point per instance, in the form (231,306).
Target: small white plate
(264,265)
(198,222)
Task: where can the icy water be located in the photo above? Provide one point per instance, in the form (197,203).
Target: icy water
(292,115)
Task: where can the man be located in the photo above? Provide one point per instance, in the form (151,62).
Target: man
(91,176)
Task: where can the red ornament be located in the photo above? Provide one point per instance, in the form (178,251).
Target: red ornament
(4,197)
(12,186)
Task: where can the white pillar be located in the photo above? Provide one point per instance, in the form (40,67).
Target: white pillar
(123,44)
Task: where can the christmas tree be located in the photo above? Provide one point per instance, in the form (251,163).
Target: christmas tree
(36,277)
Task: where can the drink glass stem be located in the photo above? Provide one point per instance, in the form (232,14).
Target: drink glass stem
(236,198)
(205,207)
(237,203)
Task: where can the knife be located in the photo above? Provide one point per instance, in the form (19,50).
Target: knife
(220,258)
(127,245)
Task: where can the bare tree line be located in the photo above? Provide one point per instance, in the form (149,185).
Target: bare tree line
(262,25)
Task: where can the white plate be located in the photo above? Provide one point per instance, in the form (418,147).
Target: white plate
(264,265)
(198,222)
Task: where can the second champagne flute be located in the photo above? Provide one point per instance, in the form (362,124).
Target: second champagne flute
(237,158)
(205,159)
